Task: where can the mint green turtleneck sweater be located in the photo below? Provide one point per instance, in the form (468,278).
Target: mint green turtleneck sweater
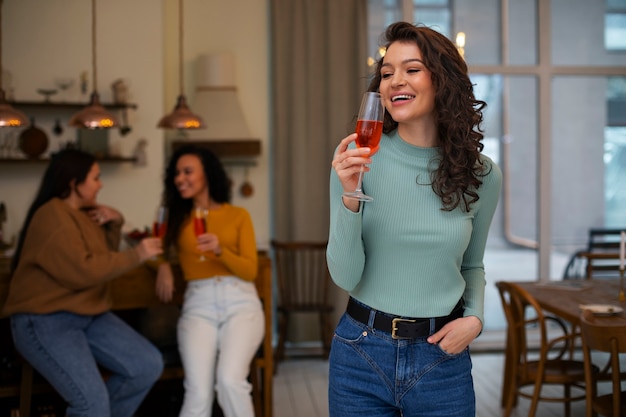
(401,253)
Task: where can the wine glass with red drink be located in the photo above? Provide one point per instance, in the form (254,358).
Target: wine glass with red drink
(369,127)
(159,226)
(160,222)
(199,225)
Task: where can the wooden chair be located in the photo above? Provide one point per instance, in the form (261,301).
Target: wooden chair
(262,367)
(303,283)
(535,366)
(600,259)
(601,336)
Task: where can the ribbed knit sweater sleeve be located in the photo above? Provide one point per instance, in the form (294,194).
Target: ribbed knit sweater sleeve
(401,253)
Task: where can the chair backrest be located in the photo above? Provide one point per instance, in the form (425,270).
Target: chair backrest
(302,274)
(515,302)
(601,335)
(524,317)
(263,284)
(599,259)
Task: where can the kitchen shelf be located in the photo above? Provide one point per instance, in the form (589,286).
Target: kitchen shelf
(46,160)
(67,105)
(232,148)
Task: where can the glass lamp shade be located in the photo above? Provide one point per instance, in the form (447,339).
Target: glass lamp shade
(94,116)
(181,117)
(10,117)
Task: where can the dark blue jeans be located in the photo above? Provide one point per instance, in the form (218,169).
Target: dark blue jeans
(66,349)
(374,375)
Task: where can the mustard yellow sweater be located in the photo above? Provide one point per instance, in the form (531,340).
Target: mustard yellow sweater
(67,263)
(233,226)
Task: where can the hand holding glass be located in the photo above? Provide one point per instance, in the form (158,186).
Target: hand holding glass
(199,226)
(369,128)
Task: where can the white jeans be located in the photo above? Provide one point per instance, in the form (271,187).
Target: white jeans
(220,330)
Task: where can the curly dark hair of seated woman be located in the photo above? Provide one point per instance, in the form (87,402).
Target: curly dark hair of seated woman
(179,208)
(458,112)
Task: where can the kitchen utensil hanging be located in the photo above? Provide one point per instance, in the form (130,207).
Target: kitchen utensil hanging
(33,141)
(246,189)
(57,129)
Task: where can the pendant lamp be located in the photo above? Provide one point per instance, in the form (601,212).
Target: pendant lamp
(9,117)
(94,116)
(181,117)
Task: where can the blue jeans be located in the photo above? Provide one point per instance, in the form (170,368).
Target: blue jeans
(373,375)
(66,349)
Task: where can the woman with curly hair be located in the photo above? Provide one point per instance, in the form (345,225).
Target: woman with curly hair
(412,259)
(221,324)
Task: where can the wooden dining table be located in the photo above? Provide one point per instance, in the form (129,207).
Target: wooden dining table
(564,299)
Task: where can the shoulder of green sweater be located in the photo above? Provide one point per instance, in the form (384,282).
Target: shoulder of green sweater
(489,163)
(492,170)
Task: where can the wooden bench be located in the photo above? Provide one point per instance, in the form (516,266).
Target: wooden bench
(135,290)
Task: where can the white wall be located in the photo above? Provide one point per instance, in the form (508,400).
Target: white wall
(137,41)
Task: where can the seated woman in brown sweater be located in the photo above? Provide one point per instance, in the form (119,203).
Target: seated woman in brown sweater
(59,296)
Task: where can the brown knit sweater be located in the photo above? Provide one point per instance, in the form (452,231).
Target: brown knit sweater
(67,263)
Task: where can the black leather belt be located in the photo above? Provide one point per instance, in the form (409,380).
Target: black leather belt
(401,327)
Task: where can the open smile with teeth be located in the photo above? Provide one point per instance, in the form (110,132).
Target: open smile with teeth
(402,97)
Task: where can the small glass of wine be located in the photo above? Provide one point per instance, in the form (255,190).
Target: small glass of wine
(199,225)
(369,127)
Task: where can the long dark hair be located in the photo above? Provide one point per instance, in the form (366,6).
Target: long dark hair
(179,208)
(458,114)
(67,169)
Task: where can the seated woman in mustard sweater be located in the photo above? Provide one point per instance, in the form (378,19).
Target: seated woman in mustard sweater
(222,315)
(59,295)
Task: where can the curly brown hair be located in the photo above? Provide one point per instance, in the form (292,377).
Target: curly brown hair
(458,114)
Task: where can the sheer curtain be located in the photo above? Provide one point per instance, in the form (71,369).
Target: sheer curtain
(319,72)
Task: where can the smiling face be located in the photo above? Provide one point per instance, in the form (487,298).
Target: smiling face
(406,85)
(190,180)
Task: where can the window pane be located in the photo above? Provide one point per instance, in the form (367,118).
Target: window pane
(578,34)
(615,153)
(380,15)
(522,143)
(587,174)
(615,161)
(616,4)
(480,20)
(615,31)
(438,20)
(522,21)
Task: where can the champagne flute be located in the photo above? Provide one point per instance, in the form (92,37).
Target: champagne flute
(159,226)
(199,226)
(369,127)
(160,223)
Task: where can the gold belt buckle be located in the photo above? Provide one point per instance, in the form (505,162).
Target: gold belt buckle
(394,327)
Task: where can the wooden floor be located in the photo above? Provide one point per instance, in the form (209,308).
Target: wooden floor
(300,389)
